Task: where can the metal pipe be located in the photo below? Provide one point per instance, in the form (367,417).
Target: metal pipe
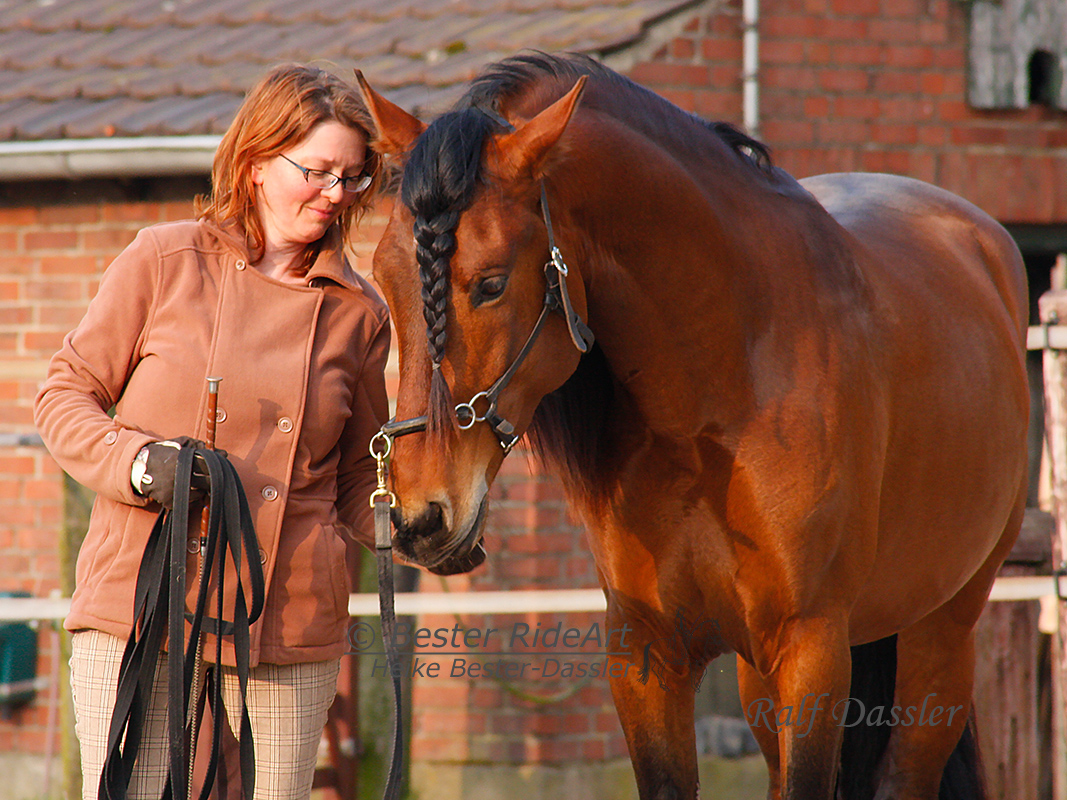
(750,67)
(537,601)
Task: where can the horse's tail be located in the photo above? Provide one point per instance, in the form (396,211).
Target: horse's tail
(874,677)
(874,672)
(964,778)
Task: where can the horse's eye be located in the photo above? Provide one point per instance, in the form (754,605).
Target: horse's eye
(489,289)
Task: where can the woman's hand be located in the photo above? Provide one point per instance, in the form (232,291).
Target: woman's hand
(153,471)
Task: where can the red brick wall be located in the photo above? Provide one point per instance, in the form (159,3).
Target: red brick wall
(872,85)
(31,488)
(51,257)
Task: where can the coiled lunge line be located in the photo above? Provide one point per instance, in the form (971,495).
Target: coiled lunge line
(159,607)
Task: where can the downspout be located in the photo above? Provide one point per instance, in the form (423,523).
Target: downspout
(750,67)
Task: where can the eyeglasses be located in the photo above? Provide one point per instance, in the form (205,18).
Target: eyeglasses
(321,179)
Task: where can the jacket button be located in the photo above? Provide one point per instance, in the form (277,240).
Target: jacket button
(220,415)
(262,556)
(240,265)
(192,546)
(269,493)
(111,437)
(285,424)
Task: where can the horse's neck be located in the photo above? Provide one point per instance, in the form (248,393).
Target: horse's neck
(674,273)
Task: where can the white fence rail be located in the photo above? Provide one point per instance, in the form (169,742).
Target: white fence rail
(518,602)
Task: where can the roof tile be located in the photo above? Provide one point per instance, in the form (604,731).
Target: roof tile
(27,50)
(11,114)
(84,68)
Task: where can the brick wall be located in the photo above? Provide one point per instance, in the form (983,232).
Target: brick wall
(31,488)
(871,85)
(55,241)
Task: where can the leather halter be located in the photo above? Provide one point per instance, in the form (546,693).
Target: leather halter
(557,299)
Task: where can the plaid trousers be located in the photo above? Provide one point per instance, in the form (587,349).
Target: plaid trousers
(287,704)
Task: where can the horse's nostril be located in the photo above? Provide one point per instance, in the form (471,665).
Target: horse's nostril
(427,523)
(434,516)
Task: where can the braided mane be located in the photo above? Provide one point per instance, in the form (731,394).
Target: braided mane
(439,182)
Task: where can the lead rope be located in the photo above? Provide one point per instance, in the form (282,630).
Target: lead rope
(193,722)
(159,605)
(383,501)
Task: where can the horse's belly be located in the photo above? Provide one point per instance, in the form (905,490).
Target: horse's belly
(945,505)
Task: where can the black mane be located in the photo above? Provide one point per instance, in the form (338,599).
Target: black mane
(506,78)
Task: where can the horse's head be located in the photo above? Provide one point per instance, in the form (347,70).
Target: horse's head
(462,264)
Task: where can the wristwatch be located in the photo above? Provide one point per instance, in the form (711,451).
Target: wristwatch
(140,464)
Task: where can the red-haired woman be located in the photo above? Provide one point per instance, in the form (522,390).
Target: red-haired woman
(257,291)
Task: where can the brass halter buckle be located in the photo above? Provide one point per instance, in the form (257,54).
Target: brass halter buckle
(381,446)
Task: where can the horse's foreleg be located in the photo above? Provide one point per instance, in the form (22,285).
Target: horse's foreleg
(755,700)
(654,700)
(808,677)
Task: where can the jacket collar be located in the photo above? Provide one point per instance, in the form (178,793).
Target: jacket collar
(330,262)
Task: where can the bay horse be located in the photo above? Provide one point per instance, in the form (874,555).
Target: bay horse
(800,427)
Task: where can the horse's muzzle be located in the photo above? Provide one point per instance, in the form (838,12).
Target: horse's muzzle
(426,541)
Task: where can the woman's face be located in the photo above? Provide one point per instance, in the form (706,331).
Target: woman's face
(295,213)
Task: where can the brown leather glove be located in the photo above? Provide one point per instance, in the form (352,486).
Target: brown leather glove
(160,464)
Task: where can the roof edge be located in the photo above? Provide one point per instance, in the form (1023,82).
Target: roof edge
(133,157)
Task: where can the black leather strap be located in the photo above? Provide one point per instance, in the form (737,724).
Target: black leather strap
(383,550)
(581,335)
(159,602)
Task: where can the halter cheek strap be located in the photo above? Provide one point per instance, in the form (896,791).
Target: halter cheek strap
(558,295)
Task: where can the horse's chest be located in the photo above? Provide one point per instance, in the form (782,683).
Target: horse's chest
(667,560)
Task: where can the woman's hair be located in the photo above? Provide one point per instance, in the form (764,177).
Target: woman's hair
(279,112)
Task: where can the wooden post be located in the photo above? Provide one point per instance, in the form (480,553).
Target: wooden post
(1053,311)
(1009,677)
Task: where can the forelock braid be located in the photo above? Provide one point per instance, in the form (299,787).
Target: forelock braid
(439,182)
(435,241)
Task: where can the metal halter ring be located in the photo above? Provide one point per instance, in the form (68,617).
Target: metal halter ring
(380,458)
(377,439)
(467,415)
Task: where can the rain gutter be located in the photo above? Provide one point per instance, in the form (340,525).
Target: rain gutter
(134,157)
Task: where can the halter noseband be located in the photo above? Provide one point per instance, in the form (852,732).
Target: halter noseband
(557,299)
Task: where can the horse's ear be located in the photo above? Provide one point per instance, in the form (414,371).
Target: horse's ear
(523,153)
(397,129)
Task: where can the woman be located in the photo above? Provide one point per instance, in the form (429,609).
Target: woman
(258,292)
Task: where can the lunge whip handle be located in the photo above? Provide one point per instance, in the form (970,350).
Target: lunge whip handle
(212,409)
(212,422)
